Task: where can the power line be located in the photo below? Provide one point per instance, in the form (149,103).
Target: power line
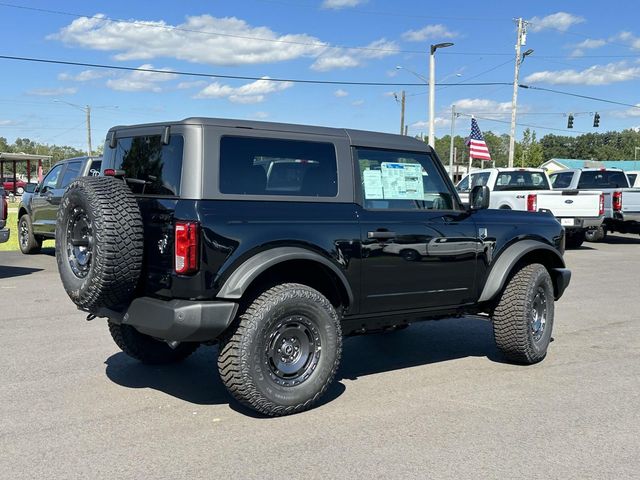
(587,97)
(145,24)
(232,77)
(519,124)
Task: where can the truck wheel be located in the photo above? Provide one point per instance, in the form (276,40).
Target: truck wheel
(283,352)
(28,242)
(147,349)
(595,235)
(523,318)
(99,242)
(575,239)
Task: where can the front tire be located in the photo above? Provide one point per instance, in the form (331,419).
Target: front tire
(284,351)
(147,349)
(523,318)
(28,242)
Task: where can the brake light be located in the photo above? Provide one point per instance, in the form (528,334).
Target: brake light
(617,201)
(109,172)
(186,247)
(532,202)
(601,209)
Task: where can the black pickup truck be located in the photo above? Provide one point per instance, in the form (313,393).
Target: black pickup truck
(277,240)
(39,203)
(4,213)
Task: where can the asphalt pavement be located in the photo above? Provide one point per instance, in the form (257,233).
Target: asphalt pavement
(432,401)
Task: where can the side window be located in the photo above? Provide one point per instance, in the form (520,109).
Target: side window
(51,180)
(632,178)
(463,186)
(401,180)
(72,171)
(151,167)
(268,166)
(561,180)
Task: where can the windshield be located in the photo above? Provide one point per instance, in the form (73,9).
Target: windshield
(521,180)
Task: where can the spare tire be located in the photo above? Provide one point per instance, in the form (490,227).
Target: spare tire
(99,243)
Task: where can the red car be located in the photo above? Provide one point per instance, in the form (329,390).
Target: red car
(7,184)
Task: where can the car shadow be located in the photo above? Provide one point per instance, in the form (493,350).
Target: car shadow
(196,379)
(51,251)
(616,240)
(9,272)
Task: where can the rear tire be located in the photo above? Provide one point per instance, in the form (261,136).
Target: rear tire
(147,349)
(595,235)
(28,242)
(523,319)
(283,352)
(99,242)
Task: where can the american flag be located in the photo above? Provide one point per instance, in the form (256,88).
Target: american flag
(477,146)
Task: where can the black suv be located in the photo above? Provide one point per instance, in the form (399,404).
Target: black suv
(276,240)
(39,204)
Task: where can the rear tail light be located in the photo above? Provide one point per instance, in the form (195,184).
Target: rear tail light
(601,204)
(109,172)
(532,202)
(186,247)
(617,201)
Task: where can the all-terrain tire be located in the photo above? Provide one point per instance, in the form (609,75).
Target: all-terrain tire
(28,242)
(103,213)
(575,240)
(147,349)
(516,332)
(246,359)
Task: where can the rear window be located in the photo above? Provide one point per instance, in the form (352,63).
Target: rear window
(267,166)
(150,167)
(603,179)
(71,173)
(561,180)
(521,181)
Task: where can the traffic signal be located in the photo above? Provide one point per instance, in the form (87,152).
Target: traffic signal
(596,120)
(570,121)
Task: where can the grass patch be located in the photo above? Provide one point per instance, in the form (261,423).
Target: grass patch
(12,244)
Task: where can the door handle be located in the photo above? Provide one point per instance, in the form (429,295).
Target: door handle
(448,219)
(381,234)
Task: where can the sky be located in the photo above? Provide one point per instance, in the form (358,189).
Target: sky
(586,48)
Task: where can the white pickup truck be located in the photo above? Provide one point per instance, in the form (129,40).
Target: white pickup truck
(529,189)
(621,203)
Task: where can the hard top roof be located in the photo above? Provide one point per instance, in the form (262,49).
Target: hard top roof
(356,137)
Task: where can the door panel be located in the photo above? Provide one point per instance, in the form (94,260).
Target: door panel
(416,259)
(45,202)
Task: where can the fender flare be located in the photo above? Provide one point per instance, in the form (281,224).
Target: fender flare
(508,259)
(235,286)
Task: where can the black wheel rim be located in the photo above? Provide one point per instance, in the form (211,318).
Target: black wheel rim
(293,350)
(23,234)
(79,242)
(539,312)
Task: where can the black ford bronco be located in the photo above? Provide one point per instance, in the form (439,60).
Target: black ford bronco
(277,240)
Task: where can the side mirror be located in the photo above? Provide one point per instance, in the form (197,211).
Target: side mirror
(30,187)
(479,197)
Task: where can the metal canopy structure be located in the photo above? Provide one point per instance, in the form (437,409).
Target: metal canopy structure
(14,158)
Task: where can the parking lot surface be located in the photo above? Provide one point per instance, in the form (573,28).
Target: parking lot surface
(431,401)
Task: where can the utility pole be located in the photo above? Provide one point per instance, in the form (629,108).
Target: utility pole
(522,40)
(402,105)
(451,147)
(88,110)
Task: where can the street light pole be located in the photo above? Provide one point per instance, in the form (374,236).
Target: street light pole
(432,90)
(522,40)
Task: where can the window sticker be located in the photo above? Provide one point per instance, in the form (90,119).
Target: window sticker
(372,184)
(402,181)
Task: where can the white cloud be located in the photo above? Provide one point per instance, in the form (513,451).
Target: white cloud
(141,81)
(357,103)
(253,92)
(4,123)
(629,38)
(341,93)
(338,4)
(84,76)
(594,75)
(52,92)
(588,44)
(340,58)
(260,115)
(478,105)
(429,32)
(630,112)
(558,21)
(192,84)
(439,122)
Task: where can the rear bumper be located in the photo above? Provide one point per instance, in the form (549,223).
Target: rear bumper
(4,235)
(176,320)
(561,279)
(582,222)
